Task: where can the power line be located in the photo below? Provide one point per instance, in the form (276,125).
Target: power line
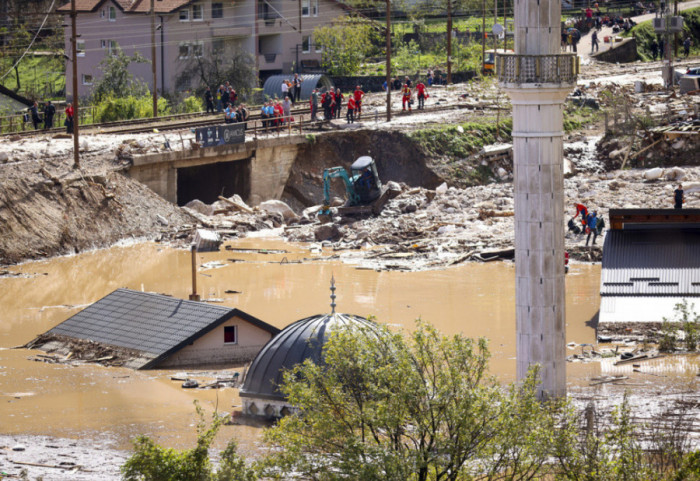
(30,44)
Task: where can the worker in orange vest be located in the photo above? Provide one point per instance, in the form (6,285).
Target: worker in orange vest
(406,99)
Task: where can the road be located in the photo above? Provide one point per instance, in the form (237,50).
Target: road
(584,46)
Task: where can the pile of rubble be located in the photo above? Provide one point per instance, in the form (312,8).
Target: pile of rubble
(423,228)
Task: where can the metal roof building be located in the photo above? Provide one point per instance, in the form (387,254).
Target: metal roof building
(297,342)
(162,331)
(273,85)
(651,262)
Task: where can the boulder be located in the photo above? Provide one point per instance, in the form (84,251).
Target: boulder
(675,173)
(653,174)
(441,189)
(327,231)
(4,157)
(199,206)
(278,207)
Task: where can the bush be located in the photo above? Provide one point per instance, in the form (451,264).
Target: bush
(112,109)
(190,104)
(151,462)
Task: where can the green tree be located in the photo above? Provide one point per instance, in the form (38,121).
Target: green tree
(345,43)
(234,66)
(382,406)
(116,80)
(151,462)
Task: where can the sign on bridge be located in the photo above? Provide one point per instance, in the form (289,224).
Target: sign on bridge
(221,134)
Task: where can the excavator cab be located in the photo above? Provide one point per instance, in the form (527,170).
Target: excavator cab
(365,179)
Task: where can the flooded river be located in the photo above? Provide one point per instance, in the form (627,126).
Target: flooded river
(116,404)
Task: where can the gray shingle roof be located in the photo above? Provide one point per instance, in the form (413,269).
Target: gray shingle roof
(654,262)
(152,323)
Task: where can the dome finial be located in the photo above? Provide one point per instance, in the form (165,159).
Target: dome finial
(332,294)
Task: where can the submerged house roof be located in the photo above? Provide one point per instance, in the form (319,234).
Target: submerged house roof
(154,325)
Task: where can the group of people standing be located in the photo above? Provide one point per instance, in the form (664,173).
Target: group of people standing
(332,103)
(49,112)
(225,96)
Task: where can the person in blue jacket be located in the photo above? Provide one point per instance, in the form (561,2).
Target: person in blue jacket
(592,227)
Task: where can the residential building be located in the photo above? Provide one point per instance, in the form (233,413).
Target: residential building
(278,33)
(151,330)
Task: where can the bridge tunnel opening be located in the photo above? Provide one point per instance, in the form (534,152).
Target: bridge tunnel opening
(208,182)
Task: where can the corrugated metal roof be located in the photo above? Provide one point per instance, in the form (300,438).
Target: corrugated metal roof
(273,85)
(297,342)
(151,323)
(651,263)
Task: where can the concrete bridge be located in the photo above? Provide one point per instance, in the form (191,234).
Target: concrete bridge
(256,170)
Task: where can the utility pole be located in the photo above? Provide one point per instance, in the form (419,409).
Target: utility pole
(153,59)
(388,60)
(483,34)
(76,116)
(449,42)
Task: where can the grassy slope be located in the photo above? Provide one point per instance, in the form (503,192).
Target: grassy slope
(645,33)
(40,76)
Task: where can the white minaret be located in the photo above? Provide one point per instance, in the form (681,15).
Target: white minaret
(538,78)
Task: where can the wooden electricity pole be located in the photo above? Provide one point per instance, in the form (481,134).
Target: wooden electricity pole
(483,34)
(76,116)
(388,60)
(449,42)
(153,59)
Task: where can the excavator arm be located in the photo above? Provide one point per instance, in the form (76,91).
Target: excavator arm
(338,172)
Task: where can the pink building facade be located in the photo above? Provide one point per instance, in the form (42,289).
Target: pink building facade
(278,33)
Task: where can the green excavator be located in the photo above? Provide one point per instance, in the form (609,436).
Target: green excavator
(365,192)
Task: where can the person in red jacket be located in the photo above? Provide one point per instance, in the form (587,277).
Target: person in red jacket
(69,118)
(420,89)
(350,116)
(358,94)
(581,209)
(406,97)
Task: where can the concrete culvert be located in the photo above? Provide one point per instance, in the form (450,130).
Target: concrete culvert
(273,85)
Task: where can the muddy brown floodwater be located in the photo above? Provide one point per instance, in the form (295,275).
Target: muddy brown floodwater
(116,404)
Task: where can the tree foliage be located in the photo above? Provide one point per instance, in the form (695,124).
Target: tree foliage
(345,43)
(235,66)
(116,80)
(388,407)
(151,462)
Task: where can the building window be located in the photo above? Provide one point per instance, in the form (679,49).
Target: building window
(184,50)
(197,12)
(217,45)
(217,10)
(230,335)
(184,14)
(314,8)
(319,49)
(87,79)
(306,44)
(112,14)
(102,13)
(305,7)
(110,45)
(198,49)
(80,48)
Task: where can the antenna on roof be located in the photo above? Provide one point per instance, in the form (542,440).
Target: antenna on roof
(332,294)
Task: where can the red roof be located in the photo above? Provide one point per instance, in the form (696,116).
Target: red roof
(129,6)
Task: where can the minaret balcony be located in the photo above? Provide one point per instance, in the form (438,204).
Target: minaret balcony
(537,69)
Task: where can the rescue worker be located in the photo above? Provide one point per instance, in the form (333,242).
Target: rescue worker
(358,94)
(406,97)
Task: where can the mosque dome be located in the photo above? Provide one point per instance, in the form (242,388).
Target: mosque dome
(299,341)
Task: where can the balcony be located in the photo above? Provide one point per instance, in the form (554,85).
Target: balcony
(270,61)
(537,69)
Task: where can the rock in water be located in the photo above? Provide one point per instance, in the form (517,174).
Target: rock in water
(278,207)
